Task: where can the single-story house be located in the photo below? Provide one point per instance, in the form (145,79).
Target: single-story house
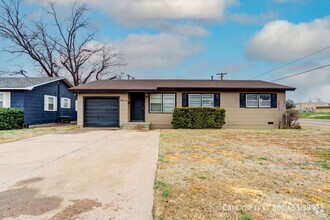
(115,103)
(43,99)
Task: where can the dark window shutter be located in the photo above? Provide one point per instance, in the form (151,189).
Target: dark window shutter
(242,100)
(274,100)
(184,99)
(216,100)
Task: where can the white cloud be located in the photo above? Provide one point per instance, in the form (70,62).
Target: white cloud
(136,12)
(187,30)
(311,85)
(159,50)
(281,40)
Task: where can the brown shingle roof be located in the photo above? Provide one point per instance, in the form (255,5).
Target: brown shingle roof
(154,85)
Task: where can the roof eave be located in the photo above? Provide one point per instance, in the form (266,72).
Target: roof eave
(55,80)
(180,89)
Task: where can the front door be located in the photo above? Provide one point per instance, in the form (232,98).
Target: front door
(137,106)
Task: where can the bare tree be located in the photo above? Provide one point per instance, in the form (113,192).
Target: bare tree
(26,37)
(73,52)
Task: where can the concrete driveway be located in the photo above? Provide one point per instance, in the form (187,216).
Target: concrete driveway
(83,174)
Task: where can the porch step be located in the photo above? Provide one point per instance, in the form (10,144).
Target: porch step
(137,126)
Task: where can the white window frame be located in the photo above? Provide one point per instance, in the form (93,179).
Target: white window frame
(260,101)
(162,107)
(172,103)
(201,97)
(252,106)
(161,102)
(46,103)
(204,98)
(6,99)
(190,98)
(63,100)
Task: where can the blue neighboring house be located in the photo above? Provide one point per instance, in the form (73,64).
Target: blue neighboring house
(43,99)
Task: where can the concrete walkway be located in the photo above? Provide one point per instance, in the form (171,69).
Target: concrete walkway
(84,174)
(315,122)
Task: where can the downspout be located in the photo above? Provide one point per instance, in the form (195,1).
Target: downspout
(58,102)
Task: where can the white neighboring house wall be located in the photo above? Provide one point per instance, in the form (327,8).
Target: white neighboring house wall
(5,99)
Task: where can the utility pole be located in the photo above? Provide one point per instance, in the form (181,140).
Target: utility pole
(221,75)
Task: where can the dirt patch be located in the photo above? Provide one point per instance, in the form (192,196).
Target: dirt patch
(79,207)
(25,201)
(243,174)
(29,181)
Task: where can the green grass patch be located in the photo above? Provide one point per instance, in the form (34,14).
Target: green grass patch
(325,165)
(326,154)
(262,158)
(315,115)
(304,165)
(244,216)
(163,187)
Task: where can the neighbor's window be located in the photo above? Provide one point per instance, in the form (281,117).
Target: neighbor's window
(65,103)
(252,100)
(264,100)
(201,100)
(160,103)
(50,103)
(4,99)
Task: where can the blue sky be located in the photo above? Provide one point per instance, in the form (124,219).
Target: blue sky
(198,38)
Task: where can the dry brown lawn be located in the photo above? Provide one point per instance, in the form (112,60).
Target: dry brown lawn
(243,174)
(20,134)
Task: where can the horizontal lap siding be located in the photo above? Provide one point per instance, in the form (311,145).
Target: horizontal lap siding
(123,105)
(237,117)
(34,104)
(162,120)
(17,99)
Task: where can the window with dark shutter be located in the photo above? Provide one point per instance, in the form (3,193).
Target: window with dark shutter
(185,100)
(274,100)
(216,100)
(242,100)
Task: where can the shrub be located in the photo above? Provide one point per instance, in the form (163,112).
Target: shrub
(290,104)
(198,117)
(296,126)
(11,118)
(290,118)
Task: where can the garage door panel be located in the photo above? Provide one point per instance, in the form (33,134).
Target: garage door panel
(101,112)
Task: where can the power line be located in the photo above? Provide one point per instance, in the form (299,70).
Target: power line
(292,62)
(306,71)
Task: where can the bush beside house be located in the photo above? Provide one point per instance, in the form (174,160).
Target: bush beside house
(198,117)
(11,118)
(290,119)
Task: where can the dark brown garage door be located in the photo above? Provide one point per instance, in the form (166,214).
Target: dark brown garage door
(101,112)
